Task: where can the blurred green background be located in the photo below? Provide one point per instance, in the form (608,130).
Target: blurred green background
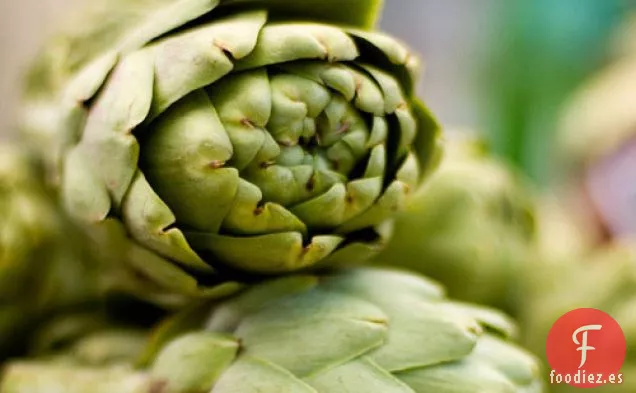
(506,67)
(503,67)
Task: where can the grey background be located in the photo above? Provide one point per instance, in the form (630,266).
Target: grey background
(449,35)
(23,26)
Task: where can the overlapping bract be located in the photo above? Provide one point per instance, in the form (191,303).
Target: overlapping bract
(362,330)
(42,262)
(472,227)
(233,136)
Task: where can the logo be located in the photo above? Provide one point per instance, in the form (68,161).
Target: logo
(586,348)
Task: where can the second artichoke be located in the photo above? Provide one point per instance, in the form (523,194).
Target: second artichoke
(472,227)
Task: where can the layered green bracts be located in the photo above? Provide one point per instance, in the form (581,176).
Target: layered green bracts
(364,330)
(234,136)
(471,227)
(42,261)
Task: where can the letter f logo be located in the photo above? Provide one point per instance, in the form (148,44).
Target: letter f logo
(583,344)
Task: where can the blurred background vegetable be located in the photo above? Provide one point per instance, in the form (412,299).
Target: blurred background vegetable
(472,227)
(605,280)
(52,277)
(539,53)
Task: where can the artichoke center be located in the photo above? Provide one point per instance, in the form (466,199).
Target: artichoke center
(289,136)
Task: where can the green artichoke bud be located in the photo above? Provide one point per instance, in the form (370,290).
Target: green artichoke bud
(43,265)
(364,330)
(88,336)
(260,136)
(605,280)
(471,227)
(30,225)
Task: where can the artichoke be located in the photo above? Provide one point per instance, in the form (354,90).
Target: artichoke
(90,336)
(43,265)
(606,280)
(360,330)
(228,137)
(471,227)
